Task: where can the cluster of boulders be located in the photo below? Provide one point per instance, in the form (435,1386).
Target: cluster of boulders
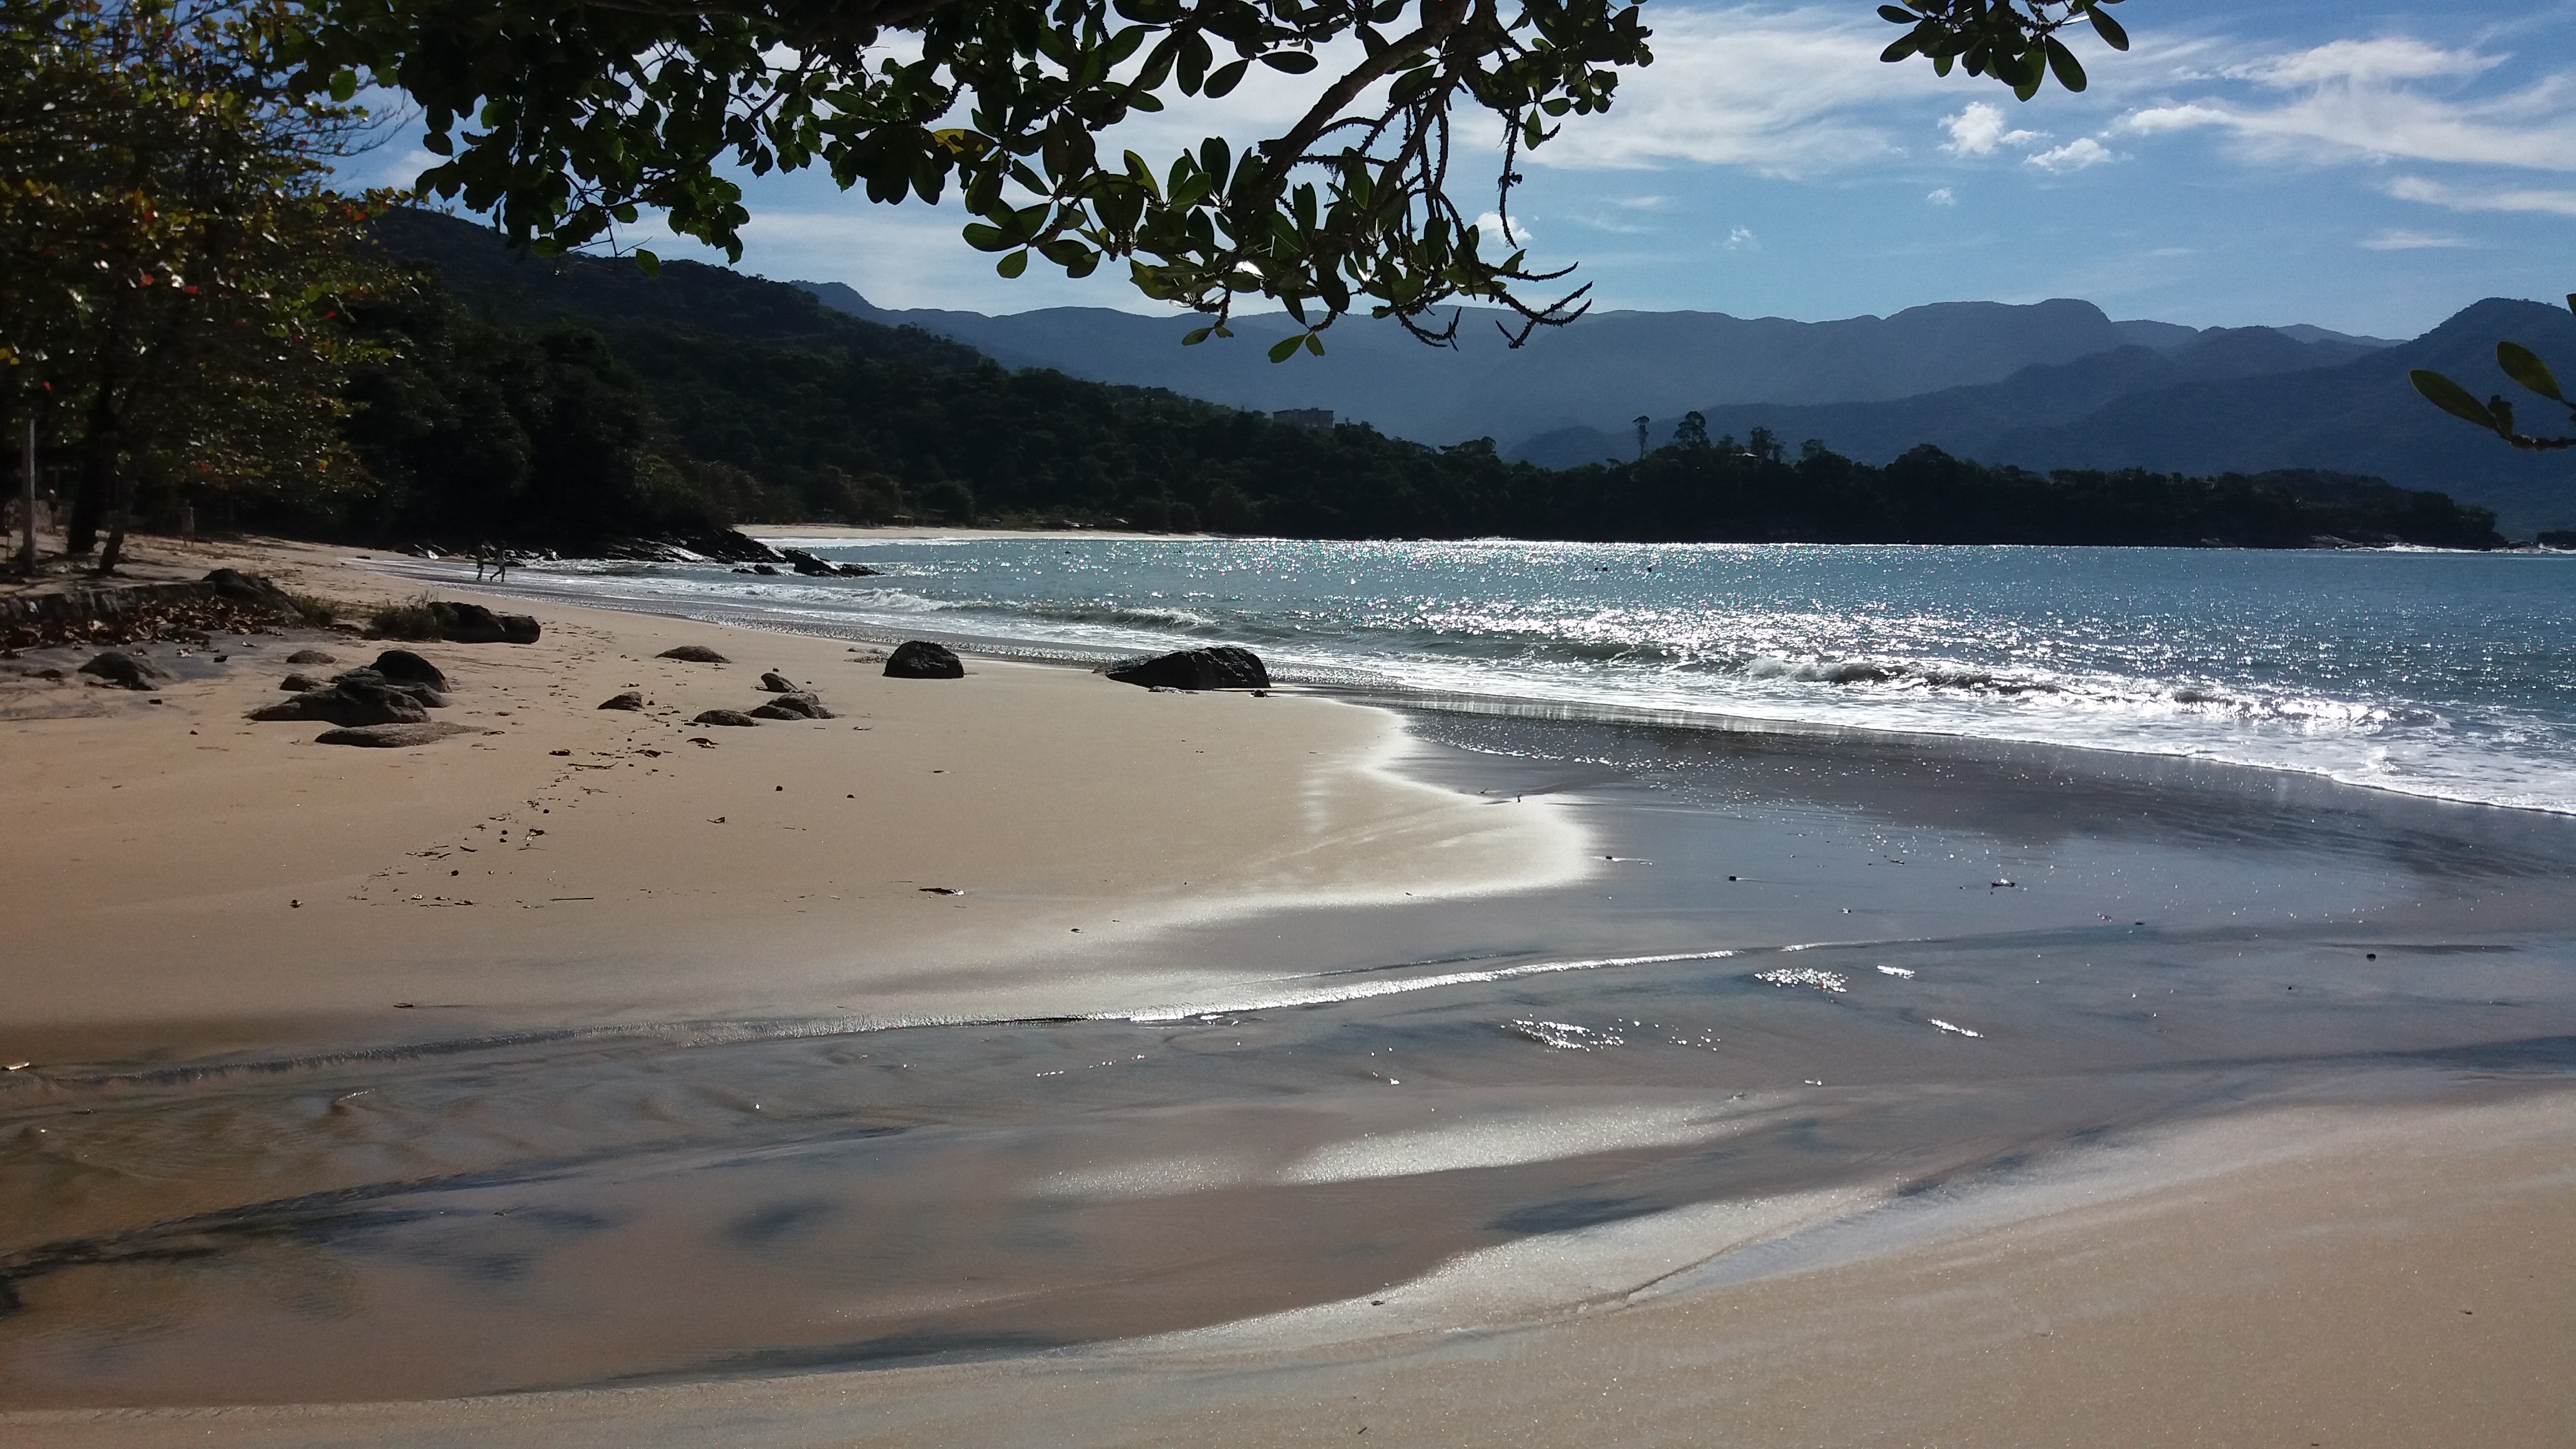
(791,700)
(400,687)
(811,567)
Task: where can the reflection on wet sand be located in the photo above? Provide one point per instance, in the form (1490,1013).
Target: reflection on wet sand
(1414,1085)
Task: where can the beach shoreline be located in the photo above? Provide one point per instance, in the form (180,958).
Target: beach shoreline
(2039,1205)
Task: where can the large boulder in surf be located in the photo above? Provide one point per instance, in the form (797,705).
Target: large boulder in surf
(921,659)
(694,654)
(1225,666)
(733,717)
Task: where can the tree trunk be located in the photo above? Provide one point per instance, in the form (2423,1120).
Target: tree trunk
(95,488)
(117,515)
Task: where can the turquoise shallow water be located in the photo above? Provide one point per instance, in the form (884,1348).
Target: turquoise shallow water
(2446,675)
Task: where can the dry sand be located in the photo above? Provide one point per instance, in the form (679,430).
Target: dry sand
(180,880)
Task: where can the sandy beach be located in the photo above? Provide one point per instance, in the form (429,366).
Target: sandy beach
(1271,1070)
(210,884)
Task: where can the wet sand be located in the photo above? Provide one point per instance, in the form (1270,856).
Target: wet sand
(1854,1090)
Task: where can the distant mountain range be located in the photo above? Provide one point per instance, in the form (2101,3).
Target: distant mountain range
(2045,385)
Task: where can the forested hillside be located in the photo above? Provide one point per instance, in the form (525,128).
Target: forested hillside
(562,403)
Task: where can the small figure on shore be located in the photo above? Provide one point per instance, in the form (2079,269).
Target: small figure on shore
(482,560)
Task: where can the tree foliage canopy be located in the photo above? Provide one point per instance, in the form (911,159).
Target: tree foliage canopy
(171,261)
(567,117)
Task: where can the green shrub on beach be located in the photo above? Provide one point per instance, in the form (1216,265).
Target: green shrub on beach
(410,619)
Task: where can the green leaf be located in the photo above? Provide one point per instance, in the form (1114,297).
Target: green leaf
(344,84)
(1286,347)
(1294,62)
(2452,398)
(986,238)
(1014,264)
(2523,367)
(1194,338)
(1225,78)
(1904,46)
(1314,344)
(2070,73)
(647,263)
(2110,31)
(1895,16)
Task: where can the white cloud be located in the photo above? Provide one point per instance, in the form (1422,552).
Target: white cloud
(2363,61)
(2395,240)
(2357,97)
(1490,227)
(1979,129)
(2417,188)
(1942,196)
(1786,93)
(2075,155)
(1742,239)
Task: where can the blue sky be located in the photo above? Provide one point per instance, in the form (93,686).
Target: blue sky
(2367,168)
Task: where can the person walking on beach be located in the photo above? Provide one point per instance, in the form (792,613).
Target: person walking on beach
(482,560)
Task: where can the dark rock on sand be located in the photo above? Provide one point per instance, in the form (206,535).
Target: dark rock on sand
(797,705)
(401,666)
(460,623)
(424,695)
(250,589)
(921,659)
(312,656)
(631,699)
(1224,667)
(777,683)
(695,654)
(298,683)
(126,671)
(723,717)
(394,736)
(348,702)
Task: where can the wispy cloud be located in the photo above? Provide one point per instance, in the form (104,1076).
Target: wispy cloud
(2468,198)
(2366,97)
(2397,240)
(1785,93)
(1942,196)
(1742,239)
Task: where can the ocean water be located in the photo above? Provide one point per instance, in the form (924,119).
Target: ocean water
(2446,675)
